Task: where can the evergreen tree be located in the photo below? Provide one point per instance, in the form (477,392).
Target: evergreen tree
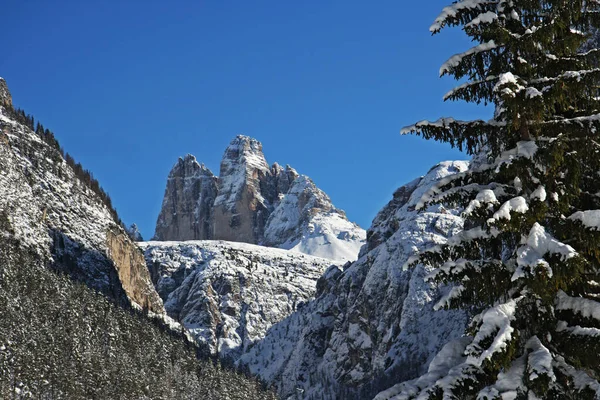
(527,262)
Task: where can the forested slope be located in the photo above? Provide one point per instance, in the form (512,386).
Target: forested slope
(61,340)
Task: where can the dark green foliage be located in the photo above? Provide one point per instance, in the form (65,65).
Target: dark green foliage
(60,340)
(530,273)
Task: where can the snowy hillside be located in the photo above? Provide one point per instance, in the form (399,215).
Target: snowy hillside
(253,203)
(228,294)
(372,324)
(60,217)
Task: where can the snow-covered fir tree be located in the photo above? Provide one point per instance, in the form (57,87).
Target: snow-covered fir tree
(527,264)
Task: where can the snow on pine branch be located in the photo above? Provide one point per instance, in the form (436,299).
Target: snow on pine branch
(467,85)
(456,59)
(580,379)
(445,301)
(484,197)
(517,204)
(511,85)
(469,136)
(539,360)
(496,323)
(577,330)
(509,382)
(468,235)
(567,75)
(440,123)
(589,218)
(577,120)
(453,10)
(585,307)
(524,149)
(530,256)
(483,18)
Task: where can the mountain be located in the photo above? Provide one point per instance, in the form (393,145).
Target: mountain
(372,324)
(80,316)
(228,294)
(59,211)
(253,202)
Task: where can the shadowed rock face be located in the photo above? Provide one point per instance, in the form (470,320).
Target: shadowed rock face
(253,202)
(187,206)
(5,97)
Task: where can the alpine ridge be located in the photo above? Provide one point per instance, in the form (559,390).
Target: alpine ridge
(253,202)
(372,324)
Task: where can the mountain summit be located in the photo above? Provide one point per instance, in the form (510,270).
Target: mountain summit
(253,202)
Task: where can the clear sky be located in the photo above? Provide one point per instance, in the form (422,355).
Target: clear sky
(326,86)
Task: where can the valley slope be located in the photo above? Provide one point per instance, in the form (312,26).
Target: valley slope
(59,214)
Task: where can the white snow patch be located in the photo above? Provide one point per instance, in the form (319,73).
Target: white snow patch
(585,307)
(537,245)
(495,321)
(517,204)
(589,218)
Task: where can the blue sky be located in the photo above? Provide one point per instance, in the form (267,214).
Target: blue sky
(326,86)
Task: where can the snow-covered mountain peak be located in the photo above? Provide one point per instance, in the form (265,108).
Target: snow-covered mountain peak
(305,220)
(242,168)
(244,154)
(189,167)
(256,203)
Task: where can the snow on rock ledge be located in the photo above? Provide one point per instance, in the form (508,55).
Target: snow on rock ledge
(228,294)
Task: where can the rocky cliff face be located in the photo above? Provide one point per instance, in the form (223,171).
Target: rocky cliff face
(372,324)
(253,202)
(56,215)
(228,294)
(243,205)
(187,206)
(5,97)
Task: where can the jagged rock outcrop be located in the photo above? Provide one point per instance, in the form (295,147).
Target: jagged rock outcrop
(228,294)
(371,325)
(188,203)
(5,97)
(134,233)
(132,270)
(253,203)
(59,217)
